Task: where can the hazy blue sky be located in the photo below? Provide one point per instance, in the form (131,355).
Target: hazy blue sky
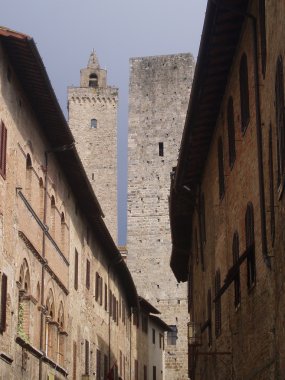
(66,31)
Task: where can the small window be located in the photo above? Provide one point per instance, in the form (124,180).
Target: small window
(93,123)
(76,270)
(136,370)
(221,169)
(218,305)
(153,336)
(154,372)
(280,118)
(244,94)
(161,149)
(98,365)
(250,247)
(235,250)
(87,274)
(231,132)
(172,335)
(3,147)
(93,80)
(3,305)
(87,358)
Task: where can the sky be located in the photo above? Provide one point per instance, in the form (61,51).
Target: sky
(66,31)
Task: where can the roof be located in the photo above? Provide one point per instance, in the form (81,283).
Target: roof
(31,73)
(220,36)
(159,322)
(147,306)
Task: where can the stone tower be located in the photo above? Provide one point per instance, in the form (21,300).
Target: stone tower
(158,99)
(93,122)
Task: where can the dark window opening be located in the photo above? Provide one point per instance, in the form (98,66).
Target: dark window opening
(93,80)
(262,23)
(172,335)
(218,305)
(209,311)
(87,274)
(76,270)
(244,94)
(221,169)
(98,365)
(3,148)
(280,119)
(153,336)
(271,188)
(93,123)
(154,372)
(249,234)
(235,251)
(87,358)
(161,149)
(231,132)
(3,305)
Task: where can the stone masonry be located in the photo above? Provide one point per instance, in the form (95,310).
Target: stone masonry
(158,98)
(93,122)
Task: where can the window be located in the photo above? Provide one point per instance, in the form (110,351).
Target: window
(153,336)
(87,274)
(98,365)
(249,235)
(136,370)
(93,123)
(110,303)
(87,357)
(76,270)
(244,95)
(144,372)
(28,187)
(172,335)
(218,305)
(74,369)
(121,363)
(105,366)
(154,372)
(235,250)
(97,287)
(161,149)
(3,147)
(209,311)
(271,187)
(262,24)
(3,305)
(93,80)
(231,132)
(221,169)
(135,318)
(106,297)
(280,119)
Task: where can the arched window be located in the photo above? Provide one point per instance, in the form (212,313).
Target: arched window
(235,252)
(250,246)
(93,123)
(231,132)
(29,168)
(280,119)
(218,305)
(24,307)
(244,94)
(93,80)
(221,168)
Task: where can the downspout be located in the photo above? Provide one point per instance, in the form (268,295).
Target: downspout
(43,266)
(258,129)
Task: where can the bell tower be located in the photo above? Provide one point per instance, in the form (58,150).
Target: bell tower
(92,114)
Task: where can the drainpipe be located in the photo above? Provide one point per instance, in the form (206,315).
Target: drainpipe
(253,20)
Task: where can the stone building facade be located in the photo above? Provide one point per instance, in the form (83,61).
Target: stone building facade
(227,201)
(92,114)
(66,294)
(158,97)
